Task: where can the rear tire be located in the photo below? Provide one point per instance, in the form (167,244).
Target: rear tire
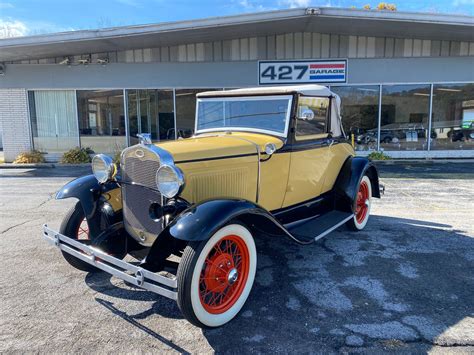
(215,276)
(362,205)
(73,227)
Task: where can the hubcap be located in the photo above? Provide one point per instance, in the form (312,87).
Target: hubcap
(224,274)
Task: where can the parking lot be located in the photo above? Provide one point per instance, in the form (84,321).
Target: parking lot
(406,283)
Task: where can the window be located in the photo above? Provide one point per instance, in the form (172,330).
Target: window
(264,113)
(53,120)
(404,121)
(151,111)
(453,117)
(359,110)
(101,120)
(312,117)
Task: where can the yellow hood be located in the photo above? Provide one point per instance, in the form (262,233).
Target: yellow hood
(217,145)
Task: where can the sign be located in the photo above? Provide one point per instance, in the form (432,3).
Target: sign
(302,72)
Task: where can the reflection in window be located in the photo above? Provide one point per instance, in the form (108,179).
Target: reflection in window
(312,117)
(404,121)
(53,120)
(101,120)
(151,111)
(359,109)
(185,111)
(453,116)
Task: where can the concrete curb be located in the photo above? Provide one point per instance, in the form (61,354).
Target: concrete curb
(422,161)
(42,166)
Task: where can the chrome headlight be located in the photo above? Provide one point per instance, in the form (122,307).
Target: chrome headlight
(169,180)
(103,168)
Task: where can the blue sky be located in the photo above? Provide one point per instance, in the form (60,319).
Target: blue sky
(27,17)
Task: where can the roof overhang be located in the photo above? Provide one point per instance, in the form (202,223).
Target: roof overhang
(323,20)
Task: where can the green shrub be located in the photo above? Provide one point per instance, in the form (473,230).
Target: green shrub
(31,157)
(117,158)
(77,156)
(378,156)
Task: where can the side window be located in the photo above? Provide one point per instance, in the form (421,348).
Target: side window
(312,117)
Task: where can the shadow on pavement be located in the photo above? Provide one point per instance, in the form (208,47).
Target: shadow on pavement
(399,282)
(434,170)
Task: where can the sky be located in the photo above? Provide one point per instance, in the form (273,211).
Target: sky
(30,17)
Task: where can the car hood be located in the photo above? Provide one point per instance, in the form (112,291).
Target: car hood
(218,145)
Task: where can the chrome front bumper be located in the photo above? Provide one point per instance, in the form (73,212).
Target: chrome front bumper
(128,272)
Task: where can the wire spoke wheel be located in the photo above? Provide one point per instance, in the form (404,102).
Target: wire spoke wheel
(362,206)
(83,230)
(224,274)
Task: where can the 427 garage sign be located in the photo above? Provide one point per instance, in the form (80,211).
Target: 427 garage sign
(302,71)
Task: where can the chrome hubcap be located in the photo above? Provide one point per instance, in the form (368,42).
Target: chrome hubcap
(232,276)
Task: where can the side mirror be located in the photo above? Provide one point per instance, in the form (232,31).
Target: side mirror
(307,115)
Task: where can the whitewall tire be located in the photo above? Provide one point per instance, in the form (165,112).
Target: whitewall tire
(215,276)
(363,204)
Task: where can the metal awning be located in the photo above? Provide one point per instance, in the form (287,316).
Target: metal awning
(323,20)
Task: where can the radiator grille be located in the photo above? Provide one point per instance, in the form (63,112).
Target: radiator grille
(139,193)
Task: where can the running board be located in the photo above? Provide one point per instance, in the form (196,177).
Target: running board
(318,227)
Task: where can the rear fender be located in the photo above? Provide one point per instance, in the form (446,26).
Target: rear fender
(347,183)
(93,197)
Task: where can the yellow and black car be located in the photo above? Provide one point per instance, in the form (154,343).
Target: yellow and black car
(271,160)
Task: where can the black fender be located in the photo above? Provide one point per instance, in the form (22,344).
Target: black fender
(347,182)
(199,222)
(88,191)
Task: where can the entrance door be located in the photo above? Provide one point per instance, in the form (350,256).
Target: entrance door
(310,153)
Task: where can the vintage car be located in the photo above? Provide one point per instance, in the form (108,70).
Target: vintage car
(270,161)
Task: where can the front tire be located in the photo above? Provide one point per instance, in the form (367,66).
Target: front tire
(215,276)
(75,226)
(362,205)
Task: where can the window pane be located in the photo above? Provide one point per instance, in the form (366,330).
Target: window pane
(53,120)
(359,109)
(185,110)
(101,120)
(404,121)
(247,113)
(312,116)
(453,117)
(151,111)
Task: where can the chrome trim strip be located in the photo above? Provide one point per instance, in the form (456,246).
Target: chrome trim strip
(116,267)
(323,234)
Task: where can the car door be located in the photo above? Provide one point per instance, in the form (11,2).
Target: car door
(309,157)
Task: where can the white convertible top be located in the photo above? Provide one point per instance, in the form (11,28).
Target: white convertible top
(308,89)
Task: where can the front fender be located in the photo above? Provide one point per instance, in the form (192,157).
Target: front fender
(88,191)
(201,221)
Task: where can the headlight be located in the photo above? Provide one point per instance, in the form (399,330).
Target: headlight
(169,180)
(103,168)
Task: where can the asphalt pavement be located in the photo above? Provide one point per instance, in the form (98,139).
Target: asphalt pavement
(404,284)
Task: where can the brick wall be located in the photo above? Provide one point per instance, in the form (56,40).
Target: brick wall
(14,122)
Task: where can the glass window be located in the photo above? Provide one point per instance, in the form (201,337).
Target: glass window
(101,120)
(453,117)
(404,121)
(312,117)
(186,111)
(360,109)
(151,111)
(53,120)
(245,113)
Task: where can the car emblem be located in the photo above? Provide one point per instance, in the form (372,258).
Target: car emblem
(139,153)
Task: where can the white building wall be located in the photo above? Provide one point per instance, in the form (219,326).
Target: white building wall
(14,121)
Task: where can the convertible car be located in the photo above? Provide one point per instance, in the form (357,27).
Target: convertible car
(185,214)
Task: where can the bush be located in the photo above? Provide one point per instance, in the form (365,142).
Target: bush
(77,156)
(378,156)
(31,157)
(117,158)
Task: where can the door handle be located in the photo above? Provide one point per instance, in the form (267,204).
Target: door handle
(330,142)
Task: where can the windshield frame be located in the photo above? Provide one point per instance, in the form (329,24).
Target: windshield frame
(283,134)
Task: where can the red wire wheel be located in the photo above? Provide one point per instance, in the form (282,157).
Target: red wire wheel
(362,207)
(83,230)
(224,274)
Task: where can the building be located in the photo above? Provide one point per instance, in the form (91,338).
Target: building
(406,79)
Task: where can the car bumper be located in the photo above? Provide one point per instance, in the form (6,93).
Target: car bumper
(162,285)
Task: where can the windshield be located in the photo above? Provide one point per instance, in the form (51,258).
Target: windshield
(267,114)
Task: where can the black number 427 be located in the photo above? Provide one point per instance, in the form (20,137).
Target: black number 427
(285,72)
